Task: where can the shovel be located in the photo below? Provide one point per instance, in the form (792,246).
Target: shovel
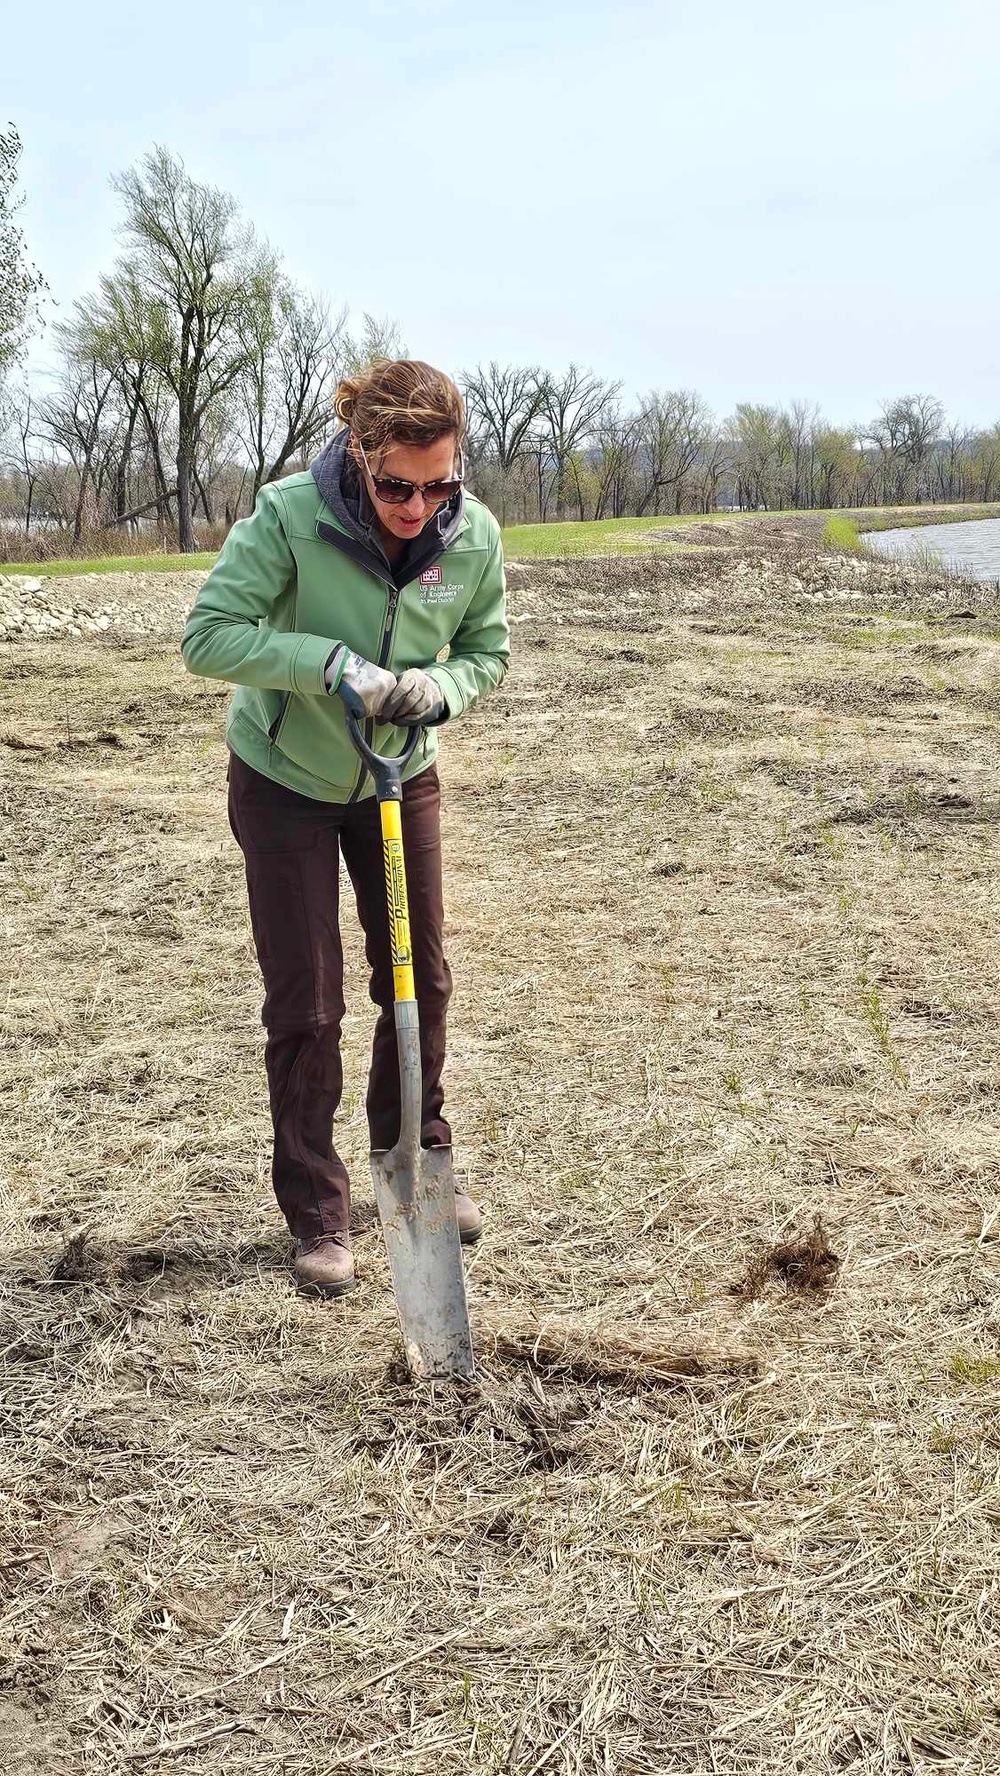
(414,1186)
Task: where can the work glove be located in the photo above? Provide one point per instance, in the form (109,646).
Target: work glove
(371,684)
(416,699)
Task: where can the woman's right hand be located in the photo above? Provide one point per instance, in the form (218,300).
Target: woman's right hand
(371,684)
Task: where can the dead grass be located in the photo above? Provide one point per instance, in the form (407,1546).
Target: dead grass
(726,953)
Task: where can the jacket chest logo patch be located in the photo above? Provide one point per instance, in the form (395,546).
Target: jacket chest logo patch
(434,589)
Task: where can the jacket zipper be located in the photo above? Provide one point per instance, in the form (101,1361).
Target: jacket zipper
(385,649)
(390,623)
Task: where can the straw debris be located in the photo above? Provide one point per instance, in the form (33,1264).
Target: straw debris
(672,1529)
(601,1353)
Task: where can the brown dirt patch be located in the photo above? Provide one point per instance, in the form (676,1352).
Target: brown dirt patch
(806,1264)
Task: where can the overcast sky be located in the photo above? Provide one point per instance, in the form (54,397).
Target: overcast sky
(762,202)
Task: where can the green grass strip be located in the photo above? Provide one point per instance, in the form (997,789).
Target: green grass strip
(841,533)
(111,564)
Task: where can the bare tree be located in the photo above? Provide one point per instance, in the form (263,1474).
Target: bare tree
(801,421)
(503,403)
(616,446)
(672,430)
(571,407)
(20,283)
(952,463)
(79,419)
(119,330)
(904,435)
(203,277)
(286,392)
(217,436)
(21,454)
(712,465)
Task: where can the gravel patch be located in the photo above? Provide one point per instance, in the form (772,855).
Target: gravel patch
(149,605)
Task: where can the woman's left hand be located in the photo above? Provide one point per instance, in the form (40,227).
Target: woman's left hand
(416,698)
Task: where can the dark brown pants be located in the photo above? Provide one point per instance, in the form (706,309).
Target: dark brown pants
(292,846)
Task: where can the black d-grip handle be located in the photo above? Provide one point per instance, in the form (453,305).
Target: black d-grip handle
(386,771)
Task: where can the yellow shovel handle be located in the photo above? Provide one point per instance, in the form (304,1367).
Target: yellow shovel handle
(396,897)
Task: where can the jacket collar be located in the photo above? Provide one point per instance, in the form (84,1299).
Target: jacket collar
(355,529)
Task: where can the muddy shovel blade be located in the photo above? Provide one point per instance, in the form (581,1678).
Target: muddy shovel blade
(415,1194)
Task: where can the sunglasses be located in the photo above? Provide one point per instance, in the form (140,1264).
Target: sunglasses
(394,492)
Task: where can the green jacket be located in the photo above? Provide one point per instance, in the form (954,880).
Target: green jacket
(279,601)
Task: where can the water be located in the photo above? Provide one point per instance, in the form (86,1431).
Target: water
(973,549)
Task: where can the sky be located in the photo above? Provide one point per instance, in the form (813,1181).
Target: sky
(763,202)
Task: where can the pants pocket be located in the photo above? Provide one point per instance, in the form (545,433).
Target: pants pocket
(265,817)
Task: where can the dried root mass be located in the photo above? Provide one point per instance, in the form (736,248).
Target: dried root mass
(806,1264)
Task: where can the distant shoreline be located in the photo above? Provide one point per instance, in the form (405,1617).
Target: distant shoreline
(591,537)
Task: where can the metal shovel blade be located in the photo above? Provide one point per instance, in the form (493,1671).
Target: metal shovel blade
(415,1194)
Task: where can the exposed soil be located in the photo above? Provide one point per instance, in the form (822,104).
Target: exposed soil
(806,1264)
(722,915)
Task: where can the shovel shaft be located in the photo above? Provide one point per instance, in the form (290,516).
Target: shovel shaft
(388,777)
(397,901)
(411,1081)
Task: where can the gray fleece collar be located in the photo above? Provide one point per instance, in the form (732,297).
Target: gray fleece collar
(346,495)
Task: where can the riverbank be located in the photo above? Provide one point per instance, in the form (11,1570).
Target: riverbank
(969,549)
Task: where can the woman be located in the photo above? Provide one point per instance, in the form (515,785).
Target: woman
(372,569)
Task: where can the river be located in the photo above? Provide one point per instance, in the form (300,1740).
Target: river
(973,549)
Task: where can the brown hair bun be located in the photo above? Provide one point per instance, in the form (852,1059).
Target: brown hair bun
(400,401)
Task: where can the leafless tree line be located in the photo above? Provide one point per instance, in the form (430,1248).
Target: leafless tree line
(198,370)
(554,446)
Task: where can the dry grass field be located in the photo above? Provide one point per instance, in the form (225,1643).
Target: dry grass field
(724,1070)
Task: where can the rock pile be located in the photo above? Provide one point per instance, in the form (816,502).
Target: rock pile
(146,605)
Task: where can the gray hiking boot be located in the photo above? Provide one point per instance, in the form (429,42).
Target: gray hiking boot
(469,1217)
(325,1266)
